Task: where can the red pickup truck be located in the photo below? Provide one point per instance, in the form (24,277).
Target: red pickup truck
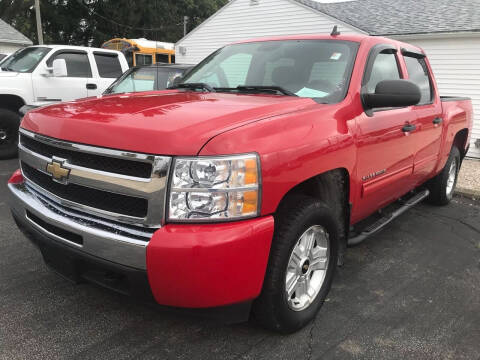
(238,192)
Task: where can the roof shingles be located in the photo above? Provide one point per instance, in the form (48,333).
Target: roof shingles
(9,35)
(401,17)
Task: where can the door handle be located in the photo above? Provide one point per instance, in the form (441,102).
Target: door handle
(437,121)
(409,128)
(92,86)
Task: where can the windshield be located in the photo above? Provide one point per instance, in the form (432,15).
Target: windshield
(25,60)
(319,69)
(145,79)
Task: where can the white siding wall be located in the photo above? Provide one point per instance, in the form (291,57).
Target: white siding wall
(455,61)
(456,65)
(6,48)
(240,20)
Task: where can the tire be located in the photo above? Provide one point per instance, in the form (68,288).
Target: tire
(443,185)
(276,310)
(9,123)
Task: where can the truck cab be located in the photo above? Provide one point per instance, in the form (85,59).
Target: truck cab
(41,75)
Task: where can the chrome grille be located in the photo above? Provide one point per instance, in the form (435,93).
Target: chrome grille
(97,162)
(101,181)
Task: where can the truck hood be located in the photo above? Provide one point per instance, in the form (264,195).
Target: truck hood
(164,123)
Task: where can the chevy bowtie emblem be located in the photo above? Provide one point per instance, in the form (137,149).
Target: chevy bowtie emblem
(59,173)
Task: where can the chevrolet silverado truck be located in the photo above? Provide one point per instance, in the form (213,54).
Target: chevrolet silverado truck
(239,191)
(45,74)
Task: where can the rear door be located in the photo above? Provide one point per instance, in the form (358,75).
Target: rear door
(427,136)
(73,86)
(385,148)
(108,69)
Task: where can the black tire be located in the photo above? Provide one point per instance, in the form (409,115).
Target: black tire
(9,123)
(438,186)
(271,309)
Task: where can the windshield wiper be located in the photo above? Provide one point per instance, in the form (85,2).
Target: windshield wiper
(193,86)
(265,88)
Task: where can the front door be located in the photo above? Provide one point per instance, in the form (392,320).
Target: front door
(73,86)
(384,143)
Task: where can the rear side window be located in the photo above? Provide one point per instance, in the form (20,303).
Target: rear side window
(161,58)
(108,65)
(419,74)
(141,59)
(77,64)
(385,67)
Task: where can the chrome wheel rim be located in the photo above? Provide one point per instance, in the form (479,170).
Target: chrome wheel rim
(307,268)
(452,176)
(3,134)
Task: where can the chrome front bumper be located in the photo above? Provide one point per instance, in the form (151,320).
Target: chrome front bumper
(118,243)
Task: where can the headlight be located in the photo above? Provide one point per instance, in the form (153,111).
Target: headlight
(214,188)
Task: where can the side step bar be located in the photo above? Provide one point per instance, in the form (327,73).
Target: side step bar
(384,221)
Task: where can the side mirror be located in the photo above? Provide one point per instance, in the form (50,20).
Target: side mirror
(393,93)
(59,68)
(177,80)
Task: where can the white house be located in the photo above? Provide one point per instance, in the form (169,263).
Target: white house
(10,39)
(449,31)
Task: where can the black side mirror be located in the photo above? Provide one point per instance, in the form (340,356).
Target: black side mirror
(393,93)
(177,81)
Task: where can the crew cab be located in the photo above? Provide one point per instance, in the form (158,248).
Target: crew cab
(239,191)
(41,75)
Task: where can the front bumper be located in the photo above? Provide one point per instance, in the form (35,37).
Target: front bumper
(186,266)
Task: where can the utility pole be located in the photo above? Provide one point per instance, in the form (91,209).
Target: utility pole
(185,22)
(39,22)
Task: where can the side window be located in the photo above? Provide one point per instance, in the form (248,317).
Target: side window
(77,64)
(385,67)
(161,58)
(141,59)
(108,65)
(137,81)
(236,69)
(419,74)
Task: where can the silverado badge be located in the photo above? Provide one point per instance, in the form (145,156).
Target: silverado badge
(59,173)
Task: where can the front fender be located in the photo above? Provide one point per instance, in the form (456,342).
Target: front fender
(292,149)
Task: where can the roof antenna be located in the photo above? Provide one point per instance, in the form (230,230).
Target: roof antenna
(335,31)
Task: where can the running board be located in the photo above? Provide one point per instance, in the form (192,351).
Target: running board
(384,221)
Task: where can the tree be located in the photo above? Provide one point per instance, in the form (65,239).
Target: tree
(92,22)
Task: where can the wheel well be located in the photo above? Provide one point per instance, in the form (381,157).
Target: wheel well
(333,188)
(460,141)
(11,102)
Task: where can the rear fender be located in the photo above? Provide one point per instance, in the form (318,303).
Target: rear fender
(458,119)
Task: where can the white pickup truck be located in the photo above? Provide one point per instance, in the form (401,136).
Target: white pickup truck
(40,75)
